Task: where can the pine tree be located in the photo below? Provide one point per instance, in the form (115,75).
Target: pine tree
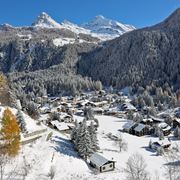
(74,132)
(93,136)
(161,135)
(10,133)
(21,121)
(177,132)
(84,141)
(150,143)
(157,131)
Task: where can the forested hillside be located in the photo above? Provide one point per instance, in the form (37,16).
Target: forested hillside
(139,57)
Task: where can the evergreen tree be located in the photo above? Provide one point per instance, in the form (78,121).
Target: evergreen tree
(161,135)
(21,121)
(93,136)
(88,113)
(74,132)
(150,143)
(10,133)
(177,132)
(84,143)
(32,109)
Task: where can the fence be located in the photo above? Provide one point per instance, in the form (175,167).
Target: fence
(34,133)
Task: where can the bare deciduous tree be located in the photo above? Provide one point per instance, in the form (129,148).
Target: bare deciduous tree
(3,162)
(136,168)
(121,143)
(172,166)
(4,173)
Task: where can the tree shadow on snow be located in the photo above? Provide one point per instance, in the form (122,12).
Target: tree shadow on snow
(65,147)
(176,163)
(148,149)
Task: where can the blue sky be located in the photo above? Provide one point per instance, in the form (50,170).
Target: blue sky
(139,13)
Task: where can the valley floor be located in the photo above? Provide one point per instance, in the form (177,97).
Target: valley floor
(45,158)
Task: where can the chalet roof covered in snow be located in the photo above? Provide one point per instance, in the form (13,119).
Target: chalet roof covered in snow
(129,125)
(157,119)
(163,142)
(128,106)
(61,126)
(140,127)
(98,159)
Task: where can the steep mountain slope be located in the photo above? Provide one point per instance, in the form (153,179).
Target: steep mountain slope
(45,21)
(138,57)
(44,44)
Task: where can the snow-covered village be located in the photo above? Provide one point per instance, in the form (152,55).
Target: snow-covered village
(92,100)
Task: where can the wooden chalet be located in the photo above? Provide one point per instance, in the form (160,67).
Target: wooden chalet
(101,163)
(129,127)
(165,144)
(141,130)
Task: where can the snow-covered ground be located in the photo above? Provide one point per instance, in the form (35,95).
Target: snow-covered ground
(59,155)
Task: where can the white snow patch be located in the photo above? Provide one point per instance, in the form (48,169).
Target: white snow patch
(59,42)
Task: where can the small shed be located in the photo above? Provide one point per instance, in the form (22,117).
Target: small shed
(61,126)
(101,163)
(165,144)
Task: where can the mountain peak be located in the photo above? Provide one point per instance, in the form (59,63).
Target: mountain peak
(99,17)
(45,21)
(103,25)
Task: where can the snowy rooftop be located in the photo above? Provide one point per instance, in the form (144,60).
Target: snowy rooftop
(98,159)
(140,127)
(129,125)
(61,126)
(157,119)
(128,106)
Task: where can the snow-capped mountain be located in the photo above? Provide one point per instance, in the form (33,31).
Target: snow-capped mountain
(74,27)
(45,21)
(100,26)
(103,26)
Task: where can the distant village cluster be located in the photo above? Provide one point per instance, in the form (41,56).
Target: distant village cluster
(61,113)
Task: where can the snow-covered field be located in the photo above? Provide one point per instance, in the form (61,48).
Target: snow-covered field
(59,156)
